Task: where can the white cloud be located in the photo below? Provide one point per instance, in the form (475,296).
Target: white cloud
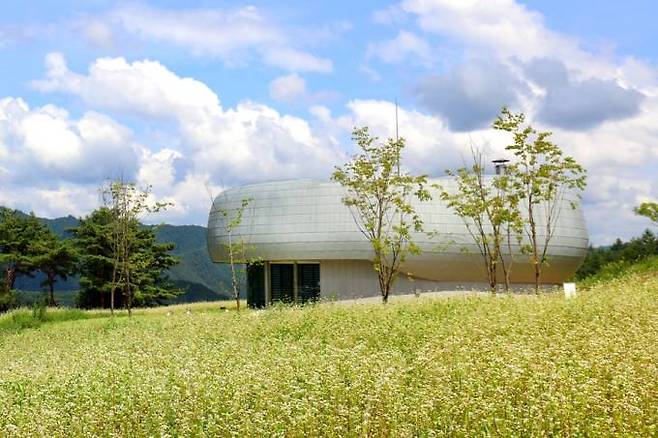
(46,142)
(602,107)
(288,88)
(234,35)
(431,146)
(53,163)
(246,143)
(510,30)
(143,87)
(157,169)
(406,45)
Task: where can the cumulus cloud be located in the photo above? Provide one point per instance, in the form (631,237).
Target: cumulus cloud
(470,95)
(45,142)
(580,104)
(53,163)
(431,146)
(501,27)
(142,87)
(236,36)
(246,143)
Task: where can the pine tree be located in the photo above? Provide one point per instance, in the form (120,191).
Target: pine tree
(57,258)
(147,263)
(19,235)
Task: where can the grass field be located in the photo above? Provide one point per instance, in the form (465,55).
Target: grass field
(467,366)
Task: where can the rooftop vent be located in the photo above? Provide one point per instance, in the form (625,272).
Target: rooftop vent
(500,166)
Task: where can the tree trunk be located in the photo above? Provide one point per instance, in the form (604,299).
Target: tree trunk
(10,279)
(234,276)
(51,290)
(537,277)
(535,249)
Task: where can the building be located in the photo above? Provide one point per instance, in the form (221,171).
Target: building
(311,246)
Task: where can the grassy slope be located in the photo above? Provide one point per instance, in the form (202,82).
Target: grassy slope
(476,365)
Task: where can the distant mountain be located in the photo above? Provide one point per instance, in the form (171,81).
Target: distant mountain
(201,279)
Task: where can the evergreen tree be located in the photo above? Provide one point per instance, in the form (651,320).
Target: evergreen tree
(92,238)
(147,263)
(19,249)
(57,258)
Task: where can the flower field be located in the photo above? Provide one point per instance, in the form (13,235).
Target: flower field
(461,366)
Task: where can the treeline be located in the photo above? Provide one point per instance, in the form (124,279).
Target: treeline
(635,250)
(119,261)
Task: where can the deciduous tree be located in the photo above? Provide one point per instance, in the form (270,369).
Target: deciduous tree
(128,204)
(379,195)
(648,210)
(540,176)
(238,250)
(490,212)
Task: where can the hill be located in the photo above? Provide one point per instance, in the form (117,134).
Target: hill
(202,279)
(467,366)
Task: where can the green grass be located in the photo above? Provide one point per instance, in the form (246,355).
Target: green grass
(528,365)
(66,298)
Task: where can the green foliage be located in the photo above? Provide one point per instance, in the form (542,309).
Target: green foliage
(471,366)
(57,258)
(92,239)
(196,274)
(378,194)
(619,254)
(239,252)
(20,236)
(649,210)
(21,319)
(490,211)
(620,268)
(148,262)
(132,262)
(539,176)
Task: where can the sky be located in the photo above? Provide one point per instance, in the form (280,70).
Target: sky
(194,97)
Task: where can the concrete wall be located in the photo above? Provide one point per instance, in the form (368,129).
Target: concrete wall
(346,279)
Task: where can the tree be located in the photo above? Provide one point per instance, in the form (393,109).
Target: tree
(92,238)
(649,210)
(148,262)
(379,196)
(237,248)
(637,249)
(540,175)
(19,235)
(490,212)
(128,204)
(151,260)
(57,258)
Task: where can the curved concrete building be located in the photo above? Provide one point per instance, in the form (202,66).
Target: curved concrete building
(311,246)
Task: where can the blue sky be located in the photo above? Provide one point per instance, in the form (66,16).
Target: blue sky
(191,97)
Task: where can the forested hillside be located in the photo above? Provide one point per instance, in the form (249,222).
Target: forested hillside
(202,279)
